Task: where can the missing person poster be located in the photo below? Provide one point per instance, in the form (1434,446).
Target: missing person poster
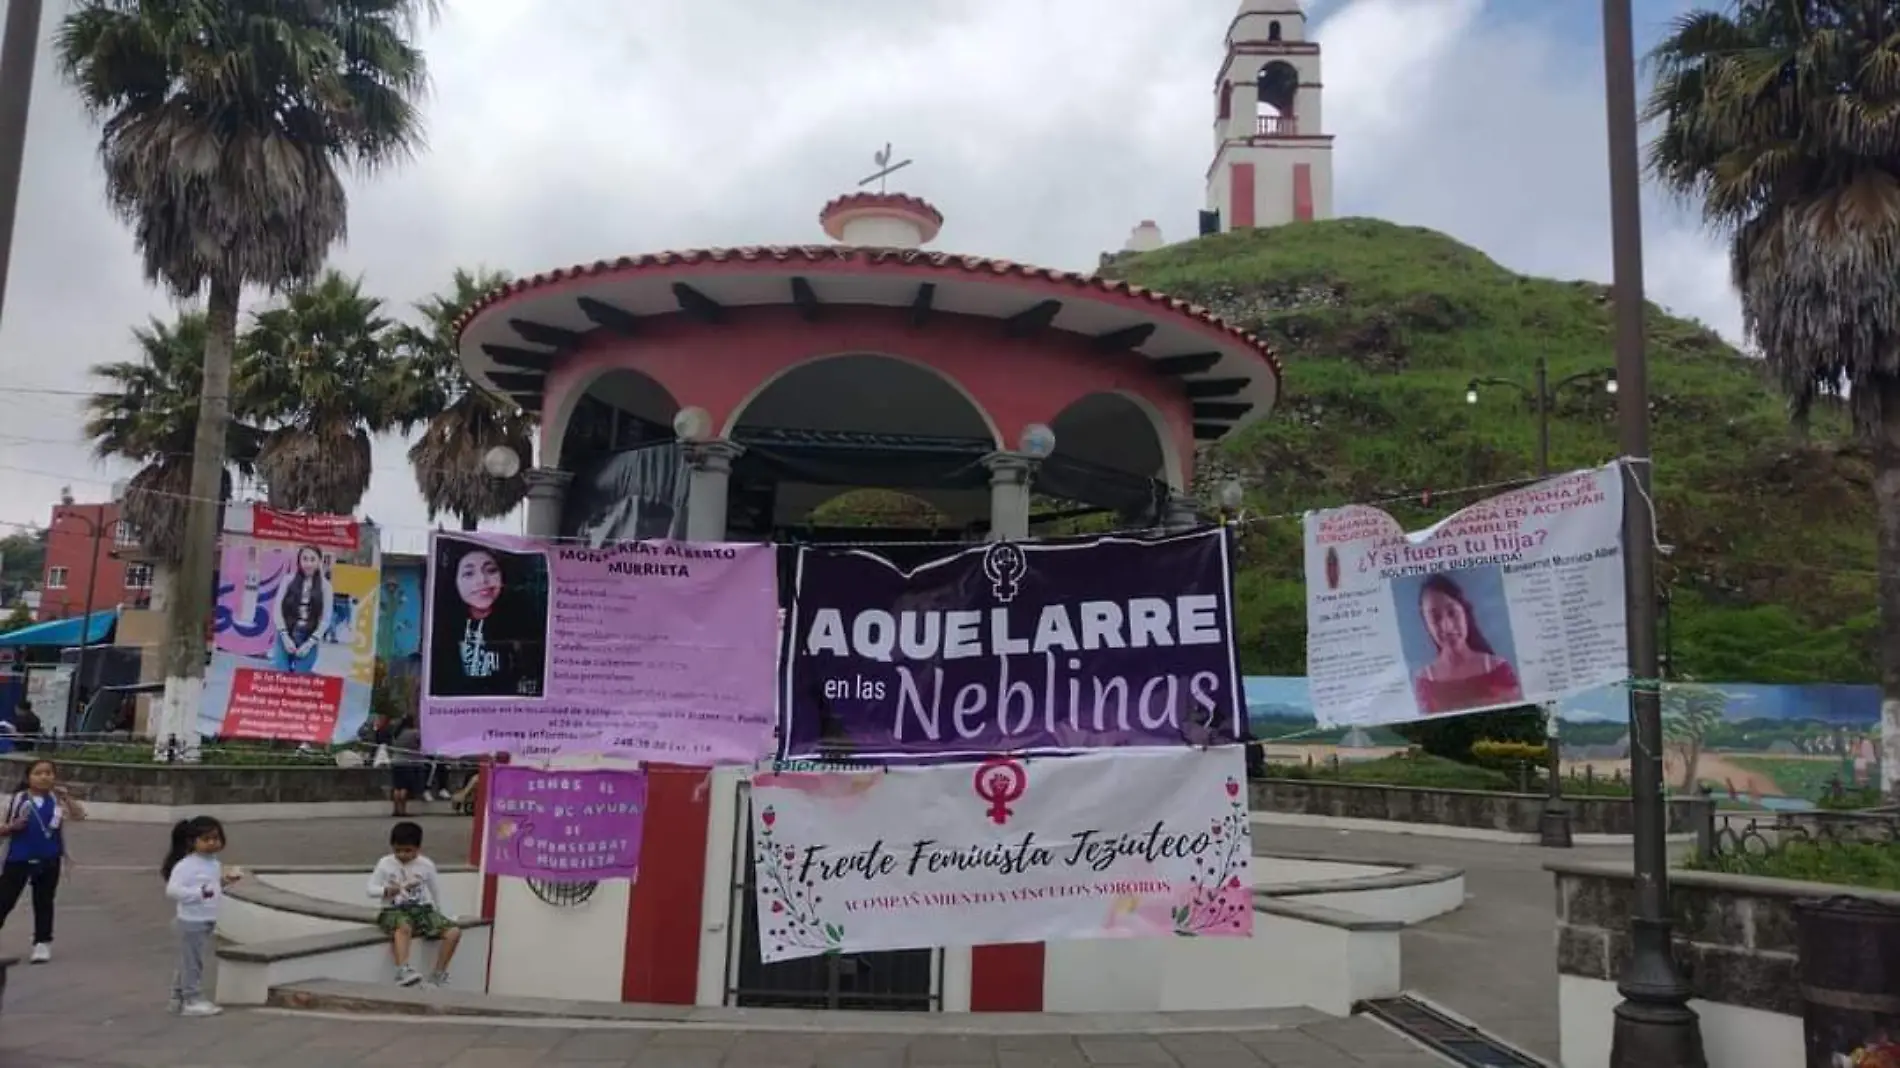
(642,650)
(293,628)
(1515,600)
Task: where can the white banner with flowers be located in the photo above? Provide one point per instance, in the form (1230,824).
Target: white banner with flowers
(1123,843)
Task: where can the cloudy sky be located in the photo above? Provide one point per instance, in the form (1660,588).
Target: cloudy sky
(716,122)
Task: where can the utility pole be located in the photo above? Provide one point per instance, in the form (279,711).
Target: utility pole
(18,50)
(1654,1026)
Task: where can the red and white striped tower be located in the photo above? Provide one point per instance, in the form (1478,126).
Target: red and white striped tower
(1273,160)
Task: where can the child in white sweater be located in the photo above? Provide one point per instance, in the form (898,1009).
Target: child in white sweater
(404,881)
(195,881)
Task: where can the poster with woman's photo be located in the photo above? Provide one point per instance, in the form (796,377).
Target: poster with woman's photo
(488,609)
(642,650)
(293,628)
(1514,600)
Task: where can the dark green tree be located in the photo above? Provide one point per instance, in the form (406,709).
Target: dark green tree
(224,130)
(1781,120)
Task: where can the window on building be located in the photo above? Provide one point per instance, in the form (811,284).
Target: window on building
(138,576)
(55,578)
(123,535)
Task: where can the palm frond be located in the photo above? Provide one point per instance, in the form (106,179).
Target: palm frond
(448,459)
(322,469)
(1780,119)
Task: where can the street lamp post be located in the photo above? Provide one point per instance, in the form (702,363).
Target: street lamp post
(1654,1026)
(1553,825)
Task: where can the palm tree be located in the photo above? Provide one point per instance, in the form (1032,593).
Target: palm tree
(1781,118)
(146,411)
(319,369)
(223,130)
(463,423)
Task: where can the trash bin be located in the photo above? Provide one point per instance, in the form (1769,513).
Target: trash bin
(1850,982)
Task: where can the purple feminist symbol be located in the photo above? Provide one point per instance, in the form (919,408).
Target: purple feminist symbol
(999,782)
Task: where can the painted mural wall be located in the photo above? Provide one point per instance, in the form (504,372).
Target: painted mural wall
(399,630)
(1775,747)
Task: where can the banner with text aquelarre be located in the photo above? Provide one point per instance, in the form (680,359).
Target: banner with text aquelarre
(1077,643)
(1515,600)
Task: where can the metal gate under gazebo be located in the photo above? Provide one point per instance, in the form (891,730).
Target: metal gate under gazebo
(907,980)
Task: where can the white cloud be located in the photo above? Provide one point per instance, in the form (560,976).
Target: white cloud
(1043,128)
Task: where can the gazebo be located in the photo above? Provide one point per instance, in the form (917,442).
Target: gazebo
(775,379)
(793,374)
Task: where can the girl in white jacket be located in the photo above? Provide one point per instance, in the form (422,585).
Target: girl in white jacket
(195,881)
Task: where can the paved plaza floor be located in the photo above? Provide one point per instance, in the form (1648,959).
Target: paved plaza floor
(101,1002)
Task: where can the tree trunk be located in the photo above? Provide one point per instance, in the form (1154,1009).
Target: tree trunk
(191,604)
(1887,523)
(468,522)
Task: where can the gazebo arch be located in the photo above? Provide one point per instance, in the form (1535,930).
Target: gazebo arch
(631,392)
(853,391)
(1121,432)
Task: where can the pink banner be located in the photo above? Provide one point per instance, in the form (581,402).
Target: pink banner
(653,651)
(565,824)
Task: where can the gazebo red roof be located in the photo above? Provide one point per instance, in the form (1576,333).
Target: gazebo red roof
(511,338)
(819,255)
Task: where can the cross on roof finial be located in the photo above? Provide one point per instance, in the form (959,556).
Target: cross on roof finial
(885,168)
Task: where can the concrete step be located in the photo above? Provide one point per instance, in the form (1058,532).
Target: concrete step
(331,995)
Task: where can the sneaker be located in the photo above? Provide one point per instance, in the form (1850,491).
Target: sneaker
(42,952)
(407,976)
(199,1007)
(439,980)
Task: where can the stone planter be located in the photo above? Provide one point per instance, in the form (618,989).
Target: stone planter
(175,785)
(1735,944)
(1473,809)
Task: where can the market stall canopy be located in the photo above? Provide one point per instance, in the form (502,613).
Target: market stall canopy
(64,633)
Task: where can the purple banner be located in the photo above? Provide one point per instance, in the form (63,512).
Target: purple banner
(643,650)
(1014,647)
(564,824)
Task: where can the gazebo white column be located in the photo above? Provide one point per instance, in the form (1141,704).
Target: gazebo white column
(547,496)
(710,478)
(1009,495)
(1183,513)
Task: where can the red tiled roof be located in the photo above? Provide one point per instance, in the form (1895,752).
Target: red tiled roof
(890,200)
(791,255)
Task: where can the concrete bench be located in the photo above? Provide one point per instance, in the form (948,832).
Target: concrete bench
(246,973)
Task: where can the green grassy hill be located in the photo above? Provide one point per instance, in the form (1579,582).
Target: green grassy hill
(1381,328)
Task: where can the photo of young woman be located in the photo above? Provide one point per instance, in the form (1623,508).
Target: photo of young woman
(301,611)
(1464,671)
(489,622)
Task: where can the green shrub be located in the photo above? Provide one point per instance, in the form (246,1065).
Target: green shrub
(1509,757)
(1850,800)
(1452,737)
(1867,864)
(1423,770)
(219,754)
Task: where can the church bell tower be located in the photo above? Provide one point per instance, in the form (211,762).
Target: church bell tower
(1273,160)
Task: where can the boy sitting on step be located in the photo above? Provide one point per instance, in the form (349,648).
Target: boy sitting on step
(405,882)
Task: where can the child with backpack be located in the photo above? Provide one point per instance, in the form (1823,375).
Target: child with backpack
(35,821)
